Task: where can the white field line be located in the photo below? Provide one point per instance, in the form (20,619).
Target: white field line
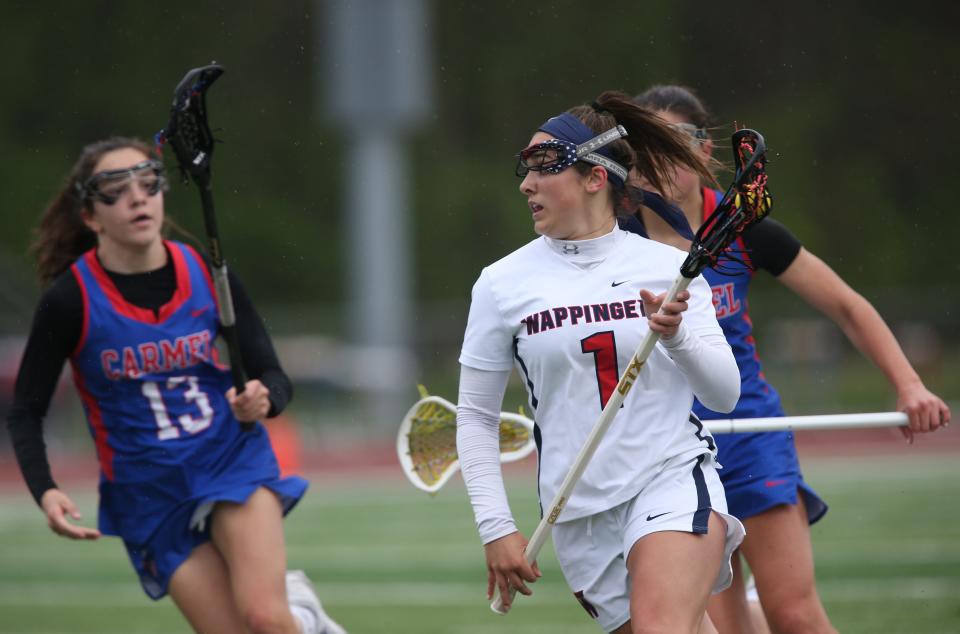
(112,594)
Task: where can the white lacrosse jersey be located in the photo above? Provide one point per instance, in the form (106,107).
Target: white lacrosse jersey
(570,332)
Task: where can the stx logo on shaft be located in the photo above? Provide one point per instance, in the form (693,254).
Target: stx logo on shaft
(633,371)
(555,513)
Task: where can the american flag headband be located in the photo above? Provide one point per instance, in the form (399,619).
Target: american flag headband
(568,153)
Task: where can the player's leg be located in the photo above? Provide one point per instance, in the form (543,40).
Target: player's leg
(729,609)
(672,574)
(780,554)
(200,588)
(679,540)
(758,620)
(761,474)
(249,537)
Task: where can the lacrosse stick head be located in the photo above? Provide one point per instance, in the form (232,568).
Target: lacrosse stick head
(188,131)
(746,202)
(427,442)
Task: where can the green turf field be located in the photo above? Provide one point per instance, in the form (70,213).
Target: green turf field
(388,558)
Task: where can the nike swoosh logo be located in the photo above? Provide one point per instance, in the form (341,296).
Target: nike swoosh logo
(653,517)
(199,311)
(615,284)
(774,483)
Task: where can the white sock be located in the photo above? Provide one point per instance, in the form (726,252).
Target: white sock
(306,620)
(751,589)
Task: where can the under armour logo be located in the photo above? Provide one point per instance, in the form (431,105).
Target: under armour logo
(571,249)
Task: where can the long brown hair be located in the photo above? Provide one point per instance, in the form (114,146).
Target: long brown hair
(680,100)
(62,236)
(651,147)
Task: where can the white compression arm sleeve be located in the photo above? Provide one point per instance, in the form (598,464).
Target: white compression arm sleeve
(706,360)
(478,447)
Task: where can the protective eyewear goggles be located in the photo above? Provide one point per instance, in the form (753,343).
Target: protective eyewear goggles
(556,155)
(697,135)
(109,186)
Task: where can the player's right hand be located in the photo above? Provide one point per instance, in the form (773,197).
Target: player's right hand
(57,506)
(508,569)
(664,319)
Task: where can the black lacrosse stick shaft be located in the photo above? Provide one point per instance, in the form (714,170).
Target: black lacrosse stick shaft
(188,133)
(228,325)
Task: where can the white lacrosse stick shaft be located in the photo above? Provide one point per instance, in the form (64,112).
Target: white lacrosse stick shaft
(539,537)
(802,423)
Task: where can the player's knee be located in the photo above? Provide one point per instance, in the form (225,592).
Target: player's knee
(266,617)
(799,617)
(661,621)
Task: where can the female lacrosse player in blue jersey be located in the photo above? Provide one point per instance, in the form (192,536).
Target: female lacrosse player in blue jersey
(197,501)
(645,537)
(761,473)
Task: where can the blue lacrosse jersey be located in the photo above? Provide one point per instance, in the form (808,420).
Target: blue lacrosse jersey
(730,289)
(760,470)
(153,392)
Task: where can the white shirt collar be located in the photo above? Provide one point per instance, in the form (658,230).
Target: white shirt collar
(587,252)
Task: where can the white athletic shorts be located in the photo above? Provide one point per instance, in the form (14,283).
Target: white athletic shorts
(593,550)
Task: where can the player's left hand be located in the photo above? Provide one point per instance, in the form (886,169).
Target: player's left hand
(927,411)
(667,322)
(61,512)
(252,404)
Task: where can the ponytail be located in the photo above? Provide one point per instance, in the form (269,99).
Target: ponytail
(652,148)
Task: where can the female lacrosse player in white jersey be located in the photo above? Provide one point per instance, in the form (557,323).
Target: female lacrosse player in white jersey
(645,537)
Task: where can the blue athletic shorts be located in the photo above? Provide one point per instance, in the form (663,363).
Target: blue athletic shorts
(761,471)
(171,544)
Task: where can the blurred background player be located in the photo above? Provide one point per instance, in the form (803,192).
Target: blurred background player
(645,537)
(761,473)
(198,502)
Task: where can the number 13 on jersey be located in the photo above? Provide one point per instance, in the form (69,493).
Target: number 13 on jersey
(183,387)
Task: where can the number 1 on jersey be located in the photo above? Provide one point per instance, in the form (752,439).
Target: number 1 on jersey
(603,346)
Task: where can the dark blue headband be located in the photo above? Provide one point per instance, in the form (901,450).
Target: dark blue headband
(567,127)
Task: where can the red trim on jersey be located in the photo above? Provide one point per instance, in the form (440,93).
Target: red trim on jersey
(95,417)
(202,264)
(206,274)
(709,202)
(125,308)
(85,328)
(753,344)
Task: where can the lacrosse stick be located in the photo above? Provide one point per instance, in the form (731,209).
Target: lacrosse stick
(427,441)
(807,423)
(745,202)
(188,133)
